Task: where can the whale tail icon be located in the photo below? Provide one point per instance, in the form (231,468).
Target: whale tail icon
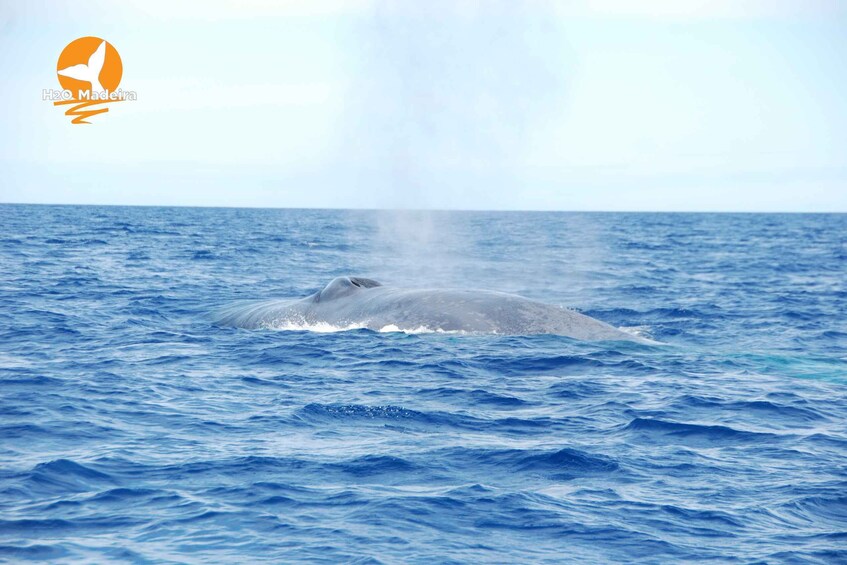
(90,72)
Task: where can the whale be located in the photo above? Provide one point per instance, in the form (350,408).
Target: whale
(357,302)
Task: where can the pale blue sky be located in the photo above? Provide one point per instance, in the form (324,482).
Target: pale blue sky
(588,105)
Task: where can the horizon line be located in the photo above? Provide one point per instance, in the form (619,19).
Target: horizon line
(522,210)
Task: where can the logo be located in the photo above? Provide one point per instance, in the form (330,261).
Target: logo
(89,70)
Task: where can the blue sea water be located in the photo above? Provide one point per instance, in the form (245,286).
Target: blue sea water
(133,429)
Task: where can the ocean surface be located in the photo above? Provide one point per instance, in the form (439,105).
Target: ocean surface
(132,429)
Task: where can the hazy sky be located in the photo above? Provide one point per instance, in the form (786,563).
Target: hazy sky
(590,105)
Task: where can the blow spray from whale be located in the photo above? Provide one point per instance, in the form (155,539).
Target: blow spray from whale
(354,302)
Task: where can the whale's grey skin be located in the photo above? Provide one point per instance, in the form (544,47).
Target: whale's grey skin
(360,302)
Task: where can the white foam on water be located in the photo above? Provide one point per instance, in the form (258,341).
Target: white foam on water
(320,327)
(639,331)
(392,328)
(324,327)
(642,332)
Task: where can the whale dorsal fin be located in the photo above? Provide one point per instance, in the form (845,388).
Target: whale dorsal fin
(342,286)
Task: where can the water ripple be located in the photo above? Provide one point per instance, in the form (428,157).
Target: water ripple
(134,430)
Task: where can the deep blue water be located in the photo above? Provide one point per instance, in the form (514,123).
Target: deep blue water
(131,428)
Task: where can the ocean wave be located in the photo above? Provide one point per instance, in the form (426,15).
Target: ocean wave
(689,432)
(133,430)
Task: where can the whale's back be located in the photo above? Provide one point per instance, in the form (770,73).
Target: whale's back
(351,302)
(480,311)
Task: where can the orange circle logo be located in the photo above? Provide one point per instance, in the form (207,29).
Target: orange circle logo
(89,64)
